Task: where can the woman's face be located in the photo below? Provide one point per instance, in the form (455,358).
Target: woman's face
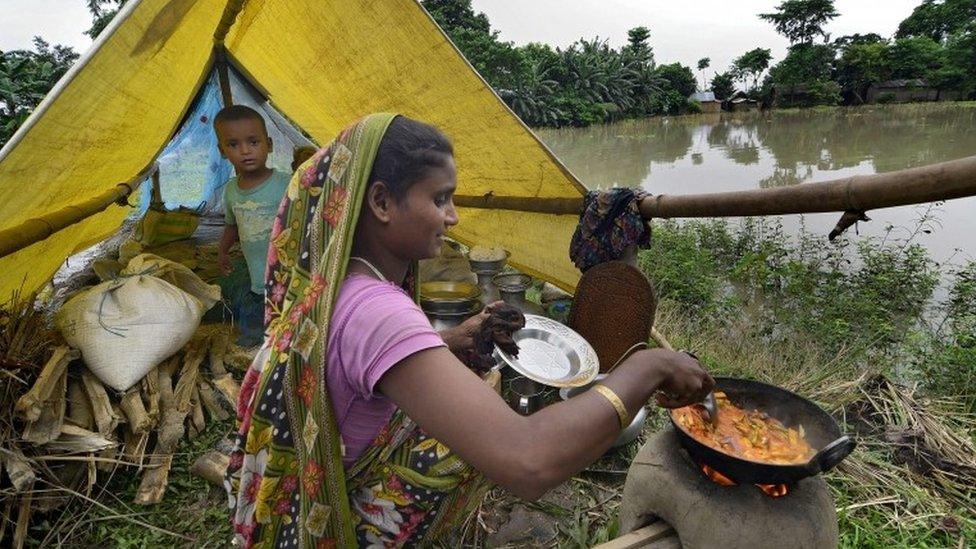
(420,220)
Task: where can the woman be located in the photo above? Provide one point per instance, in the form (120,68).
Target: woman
(359,426)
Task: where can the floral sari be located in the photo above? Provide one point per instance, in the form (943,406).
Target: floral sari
(286,481)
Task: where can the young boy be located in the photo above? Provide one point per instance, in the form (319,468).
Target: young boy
(251,201)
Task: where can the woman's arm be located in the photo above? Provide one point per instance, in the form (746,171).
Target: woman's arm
(530,455)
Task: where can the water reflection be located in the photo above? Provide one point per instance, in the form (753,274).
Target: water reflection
(620,154)
(725,152)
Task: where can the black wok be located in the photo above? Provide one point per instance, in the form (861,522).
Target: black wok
(821,432)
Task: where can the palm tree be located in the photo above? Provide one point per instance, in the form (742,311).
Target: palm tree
(703,64)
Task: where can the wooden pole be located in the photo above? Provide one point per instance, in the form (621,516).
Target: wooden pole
(944,181)
(222,75)
(37,229)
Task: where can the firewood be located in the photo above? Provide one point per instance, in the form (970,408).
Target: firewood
(7,509)
(150,395)
(77,440)
(154,480)
(211,467)
(196,419)
(23,519)
(19,470)
(175,408)
(29,405)
(219,344)
(134,449)
(135,412)
(174,405)
(228,387)
(79,407)
(211,402)
(48,426)
(238,358)
(105,417)
(112,453)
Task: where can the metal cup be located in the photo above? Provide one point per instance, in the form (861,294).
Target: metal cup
(526,396)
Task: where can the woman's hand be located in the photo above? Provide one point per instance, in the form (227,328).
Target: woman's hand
(685,380)
(461,337)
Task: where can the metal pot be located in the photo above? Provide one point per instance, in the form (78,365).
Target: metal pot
(448,297)
(442,320)
(512,287)
(821,431)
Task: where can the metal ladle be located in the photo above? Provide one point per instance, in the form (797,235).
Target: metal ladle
(711,406)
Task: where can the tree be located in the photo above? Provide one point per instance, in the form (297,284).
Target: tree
(800,21)
(498,62)
(723,86)
(803,78)
(703,64)
(913,57)
(860,65)
(25,78)
(960,53)
(679,78)
(752,63)
(103,11)
(938,19)
(638,47)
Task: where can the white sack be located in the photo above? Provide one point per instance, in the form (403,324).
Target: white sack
(176,274)
(125,327)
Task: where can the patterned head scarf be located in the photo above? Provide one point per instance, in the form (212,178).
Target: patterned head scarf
(286,478)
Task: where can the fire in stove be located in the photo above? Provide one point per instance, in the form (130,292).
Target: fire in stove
(771,490)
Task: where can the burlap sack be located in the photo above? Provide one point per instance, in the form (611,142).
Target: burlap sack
(124,327)
(176,274)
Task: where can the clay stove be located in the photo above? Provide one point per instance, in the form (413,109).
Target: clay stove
(664,483)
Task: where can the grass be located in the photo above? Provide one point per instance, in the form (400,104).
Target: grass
(192,514)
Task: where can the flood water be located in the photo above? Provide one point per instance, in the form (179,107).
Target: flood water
(731,152)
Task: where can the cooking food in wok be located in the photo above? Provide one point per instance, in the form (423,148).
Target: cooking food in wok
(747,434)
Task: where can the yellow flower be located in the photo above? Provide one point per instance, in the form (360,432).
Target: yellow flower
(257,440)
(262,504)
(429,443)
(318,519)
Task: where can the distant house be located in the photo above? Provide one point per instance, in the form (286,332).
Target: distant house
(707,101)
(739,102)
(906,90)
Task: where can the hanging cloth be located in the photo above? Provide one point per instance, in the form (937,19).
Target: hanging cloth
(610,223)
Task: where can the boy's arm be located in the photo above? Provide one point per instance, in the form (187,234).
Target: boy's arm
(227,239)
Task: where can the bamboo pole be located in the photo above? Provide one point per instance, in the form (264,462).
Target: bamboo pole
(231,10)
(943,181)
(31,231)
(223,77)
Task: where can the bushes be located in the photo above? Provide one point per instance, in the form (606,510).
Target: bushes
(869,298)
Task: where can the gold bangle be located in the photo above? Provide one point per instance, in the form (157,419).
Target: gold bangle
(617,404)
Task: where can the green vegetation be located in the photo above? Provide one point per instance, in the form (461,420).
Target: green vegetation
(590,82)
(25,78)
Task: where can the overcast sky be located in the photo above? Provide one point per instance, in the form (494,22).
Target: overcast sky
(684,32)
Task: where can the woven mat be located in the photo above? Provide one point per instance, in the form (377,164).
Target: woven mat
(613,310)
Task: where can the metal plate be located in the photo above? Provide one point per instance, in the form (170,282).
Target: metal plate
(552,354)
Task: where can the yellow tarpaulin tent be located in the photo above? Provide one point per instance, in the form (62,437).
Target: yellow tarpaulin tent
(322,63)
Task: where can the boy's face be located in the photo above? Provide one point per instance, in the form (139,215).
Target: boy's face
(245,143)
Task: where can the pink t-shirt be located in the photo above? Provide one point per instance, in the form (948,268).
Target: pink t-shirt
(374,326)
